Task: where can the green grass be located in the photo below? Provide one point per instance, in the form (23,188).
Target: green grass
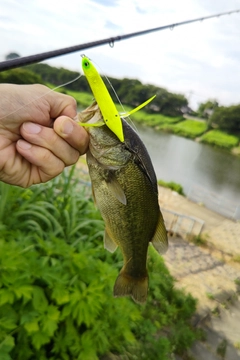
(83,98)
(219,138)
(189,128)
(154,120)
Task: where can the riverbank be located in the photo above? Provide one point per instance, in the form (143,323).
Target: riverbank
(219,248)
(192,129)
(210,272)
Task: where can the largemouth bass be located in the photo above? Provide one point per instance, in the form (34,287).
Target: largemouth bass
(125,190)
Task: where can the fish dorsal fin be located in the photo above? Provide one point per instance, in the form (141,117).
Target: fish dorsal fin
(116,189)
(141,157)
(109,244)
(159,240)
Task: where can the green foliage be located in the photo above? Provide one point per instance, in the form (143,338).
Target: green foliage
(56,283)
(11,56)
(59,76)
(172,185)
(20,76)
(83,99)
(222,348)
(133,93)
(130,91)
(206,109)
(199,240)
(189,128)
(227,118)
(219,138)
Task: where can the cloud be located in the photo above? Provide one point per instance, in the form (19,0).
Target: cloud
(107,2)
(200,58)
(112,26)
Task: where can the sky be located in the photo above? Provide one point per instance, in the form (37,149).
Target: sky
(200,60)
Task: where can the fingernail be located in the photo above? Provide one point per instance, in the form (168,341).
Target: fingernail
(32,128)
(24,145)
(67,127)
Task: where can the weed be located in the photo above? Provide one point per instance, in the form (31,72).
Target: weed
(172,185)
(210,296)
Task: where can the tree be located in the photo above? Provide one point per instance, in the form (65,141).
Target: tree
(11,56)
(206,109)
(227,118)
(20,76)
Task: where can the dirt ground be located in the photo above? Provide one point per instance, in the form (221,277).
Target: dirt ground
(210,272)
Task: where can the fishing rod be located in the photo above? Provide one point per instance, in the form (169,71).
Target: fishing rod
(27,60)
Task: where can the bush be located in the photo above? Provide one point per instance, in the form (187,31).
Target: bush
(56,284)
(172,185)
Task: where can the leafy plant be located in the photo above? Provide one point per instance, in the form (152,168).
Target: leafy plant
(56,283)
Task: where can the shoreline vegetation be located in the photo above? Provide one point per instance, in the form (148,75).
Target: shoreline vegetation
(218,126)
(197,130)
(186,126)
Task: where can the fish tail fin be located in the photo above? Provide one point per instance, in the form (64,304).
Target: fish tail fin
(126,285)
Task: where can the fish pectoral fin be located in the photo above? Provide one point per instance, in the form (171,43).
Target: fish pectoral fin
(109,244)
(160,240)
(116,189)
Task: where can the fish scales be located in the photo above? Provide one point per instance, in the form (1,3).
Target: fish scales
(125,191)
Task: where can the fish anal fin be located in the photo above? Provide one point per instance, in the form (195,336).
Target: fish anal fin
(126,285)
(160,240)
(116,189)
(109,244)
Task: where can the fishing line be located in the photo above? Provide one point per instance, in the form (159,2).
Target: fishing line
(46,93)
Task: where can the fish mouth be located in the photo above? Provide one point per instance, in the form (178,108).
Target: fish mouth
(91,114)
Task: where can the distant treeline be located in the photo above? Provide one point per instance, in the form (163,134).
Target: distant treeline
(130,91)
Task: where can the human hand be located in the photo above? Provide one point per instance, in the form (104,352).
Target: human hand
(38,137)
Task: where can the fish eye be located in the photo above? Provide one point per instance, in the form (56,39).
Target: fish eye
(86,64)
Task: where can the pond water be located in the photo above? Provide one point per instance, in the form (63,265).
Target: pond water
(208,175)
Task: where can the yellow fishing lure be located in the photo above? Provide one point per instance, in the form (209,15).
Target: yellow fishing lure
(106,105)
